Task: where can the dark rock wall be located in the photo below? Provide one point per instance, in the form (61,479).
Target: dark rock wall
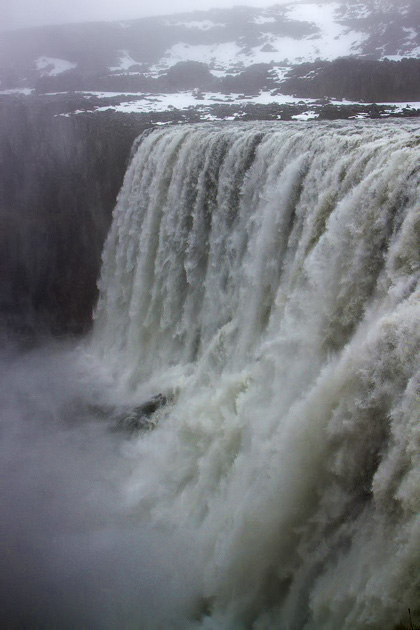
(357,79)
(59,181)
(353,79)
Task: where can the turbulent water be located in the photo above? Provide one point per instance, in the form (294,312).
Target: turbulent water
(265,279)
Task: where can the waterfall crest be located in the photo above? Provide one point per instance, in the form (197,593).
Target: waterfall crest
(266,277)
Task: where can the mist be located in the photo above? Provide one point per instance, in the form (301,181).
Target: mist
(27,13)
(74,552)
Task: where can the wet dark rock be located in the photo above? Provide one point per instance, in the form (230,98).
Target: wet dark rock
(139,418)
(186,75)
(374,111)
(250,81)
(60,179)
(356,79)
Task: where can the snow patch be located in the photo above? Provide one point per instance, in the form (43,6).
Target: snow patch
(331,42)
(220,74)
(411,33)
(414,53)
(217,56)
(151,103)
(154,103)
(52,66)
(203,25)
(23,91)
(187,101)
(125,62)
(309,115)
(109,94)
(398,108)
(355,11)
(278,73)
(264,20)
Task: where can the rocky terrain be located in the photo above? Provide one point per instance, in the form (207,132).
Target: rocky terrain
(228,52)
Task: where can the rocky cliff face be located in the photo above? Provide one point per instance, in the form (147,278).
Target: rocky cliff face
(357,79)
(60,179)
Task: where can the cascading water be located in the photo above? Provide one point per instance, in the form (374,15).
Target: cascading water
(265,277)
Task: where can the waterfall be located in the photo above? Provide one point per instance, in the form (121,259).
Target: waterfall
(265,278)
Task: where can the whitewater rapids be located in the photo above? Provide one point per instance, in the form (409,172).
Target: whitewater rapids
(265,279)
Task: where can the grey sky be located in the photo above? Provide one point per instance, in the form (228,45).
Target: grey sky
(23,13)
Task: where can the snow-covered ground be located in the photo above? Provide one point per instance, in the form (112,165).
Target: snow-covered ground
(203,107)
(219,57)
(332,40)
(146,103)
(328,42)
(149,103)
(333,29)
(329,39)
(143,103)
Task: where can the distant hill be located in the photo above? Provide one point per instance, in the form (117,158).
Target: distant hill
(236,50)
